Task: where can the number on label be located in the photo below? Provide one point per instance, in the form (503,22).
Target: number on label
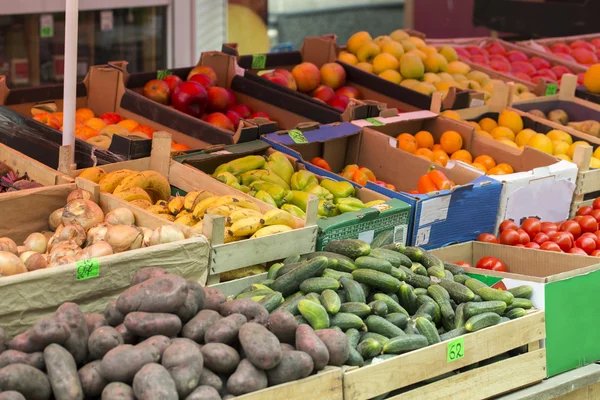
(456,349)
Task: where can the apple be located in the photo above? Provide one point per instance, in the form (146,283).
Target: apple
(234,118)
(516,55)
(220,120)
(205,70)
(540,63)
(204,80)
(474,50)
(190,98)
(339,101)
(584,56)
(566,56)
(478,59)
(499,57)
(323,93)
(580,44)
(276,78)
(157,90)
(495,48)
(522,75)
(232,100)
(288,75)
(500,66)
(260,114)
(172,81)
(560,70)
(307,76)
(333,75)
(523,66)
(111,118)
(560,48)
(242,110)
(462,52)
(218,99)
(545,73)
(348,91)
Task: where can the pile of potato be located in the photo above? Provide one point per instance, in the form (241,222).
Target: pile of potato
(162,338)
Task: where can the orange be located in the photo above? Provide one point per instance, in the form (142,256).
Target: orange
(428,154)
(440,157)
(508,142)
(483,133)
(487,161)
(436,147)
(541,142)
(474,125)
(129,124)
(502,132)
(564,157)
(179,147)
(571,151)
(506,168)
(424,139)
(496,171)
(451,141)
(83,114)
(59,116)
(511,120)
(560,147)
(149,131)
(523,137)
(480,167)
(487,124)
(95,123)
(451,114)
(462,155)
(407,142)
(591,79)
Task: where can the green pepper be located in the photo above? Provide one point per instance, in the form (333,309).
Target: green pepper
(327,209)
(319,191)
(350,204)
(302,179)
(338,189)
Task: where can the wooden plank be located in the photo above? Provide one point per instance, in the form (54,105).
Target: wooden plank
(485,382)
(588,181)
(429,362)
(90,186)
(235,286)
(160,157)
(20,164)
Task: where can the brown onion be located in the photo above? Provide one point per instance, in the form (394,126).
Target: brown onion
(47,235)
(55,219)
(64,249)
(96,250)
(120,216)
(147,235)
(124,237)
(96,233)
(74,232)
(24,256)
(21,250)
(83,212)
(10,264)
(80,194)
(9,245)
(36,242)
(36,261)
(165,234)
(61,261)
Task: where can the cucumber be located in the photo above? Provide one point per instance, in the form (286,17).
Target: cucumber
(318,285)
(419,291)
(411,328)
(354,358)
(522,292)
(398,319)
(382,239)
(376,336)
(398,273)
(404,269)
(344,264)
(397,247)
(360,309)
(300,319)
(379,307)
(442,298)
(459,316)
(290,282)
(342,295)
(429,260)
(481,321)
(369,348)
(392,305)
(332,273)
(428,329)
(293,259)
(267,282)
(423,298)
(489,294)
(382,326)
(475,285)
(403,344)
(459,293)
(314,297)
(254,293)
(272,274)
(373,263)
(504,319)
(454,333)
(315,314)
(495,306)
(461,279)
(271,301)
(287,268)
(414,253)
(394,297)
(453,268)
(418,281)
(353,336)
(520,303)
(366,290)
(449,275)
(516,313)
(477,298)
(331,301)
(436,271)
(393,257)
(377,279)
(347,321)
(408,299)
(352,248)
(418,269)
(430,310)
(354,292)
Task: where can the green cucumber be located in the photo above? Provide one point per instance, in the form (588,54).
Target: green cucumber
(318,285)
(344,264)
(353,336)
(404,269)
(415,253)
(515,313)
(314,297)
(430,310)
(332,273)
(520,303)
(382,326)
(403,344)
(347,321)
(379,307)
(392,305)
(423,298)
(504,319)
(360,309)
(342,295)
(290,282)
(419,291)
(449,275)
(315,314)
(272,274)
(377,279)
(408,298)
(477,298)
(495,306)
(267,282)
(442,298)
(453,268)
(398,319)
(522,292)
(459,293)
(411,328)
(428,329)
(436,271)
(459,315)
(418,281)
(366,289)
(489,294)
(398,273)
(376,336)
(393,257)
(376,264)
(481,321)
(352,248)
(300,319)
(369,348)
(293,259)
(397,247)
(429,260)
(287,268)
(454,333)
(354,292)
(254,293)
(271,301)
(331,301)
(418,269)
(461,279)
(354,358)
(475,285)
(382,239)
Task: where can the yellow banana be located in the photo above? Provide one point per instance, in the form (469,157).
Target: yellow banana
(113,179)
(242,213)
(134,193)
(201,207)
(279,217)
(194,197)
(198,227)
(223,210)
(141,203)
(230,238)
(183,212)
(187,220)
(94,174)
(168,217)
(246,226)
(237,201)
(158,209)
(161,203)
(153,182)
(175,205)
(270,230)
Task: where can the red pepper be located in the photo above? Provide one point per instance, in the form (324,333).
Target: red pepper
(440,180)
(319,162)
(425,184)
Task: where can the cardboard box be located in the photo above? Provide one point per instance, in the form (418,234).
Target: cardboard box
(436,219)
(565,286)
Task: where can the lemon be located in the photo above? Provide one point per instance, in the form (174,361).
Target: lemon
(557,134)
(541,142)
(564,157)
(451,114)
(594,162)
(487,124)
(560,147)
(524,136)
(503,132)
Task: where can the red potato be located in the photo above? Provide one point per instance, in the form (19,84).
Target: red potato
(180,339)
(160,343)
(209,378)
(76,344)
(204,393)
(194,302)
(123,362)
(35,360)
(246,379)
(196,328)
(102,340)
(11,395)
(27,380)
(152,382)
(92,381)
(95,321)
(225,330)
(337,345)
(2,340)
(128,336)
(62,373)
(44,331)
(252,310)
(161,294)
(260,345)
(214,298)
(220,358)
(286,347)
(184,362)
(144,274)
(308,342)
(118,391)
(294,365)
(113,316)
(146,324)
(283,324)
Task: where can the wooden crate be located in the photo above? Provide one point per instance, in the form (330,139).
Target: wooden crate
(588,180)
(480,383)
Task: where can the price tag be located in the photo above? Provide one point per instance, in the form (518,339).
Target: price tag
(87,269)
(259,61)
(106,21)
(456,349)
(551,89)
(374,122)
(297,136)
(477,102)
(46,26)
(162,74)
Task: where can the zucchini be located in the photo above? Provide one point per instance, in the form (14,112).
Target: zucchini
(430,310)
(373,263)
(522,292)
(379,307)
(402,344)
(369,348)
(398,274)
(272,274)
(408,299)
(419,291)
(347,321)
(398,319)
(418,269)
(414,253)
(392,305)
(459,293)
(453,268)
(376,336)
(481,321)
(454,333)
(271,301)
(397,247)
(475,285)
(459,315)
(331,301)
(436,271)
(318,285)
(418,281)
(314,297)
(442,298)
(344,264)
(354,292)
(290,282)
(428,329)
(461,279)
(489,294)
(382,326)
(393,257)
(352,248)
(314,313)
(377,279)
(332,273)
(516,313)
(495,306)
(520,303)
(353,336)
(360,309)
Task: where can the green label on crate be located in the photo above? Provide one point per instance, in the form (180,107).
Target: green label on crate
(87,269)
(297,136)
(456,349)
(374,122)
(551,89)
(46,32)
(162,74)
(259,61)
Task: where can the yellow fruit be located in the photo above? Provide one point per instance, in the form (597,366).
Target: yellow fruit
(381,40)
(560,147)
(511,120)
(478,76)
(399,35)
(527,96)
(429,50)
(365,66)
(508,142)
(502,132)
(451,114)
(564,157)
(449,53)
(408,45)
(418,53)
(444,86)
(383,62)
(348,58)
(436,63)
(393,48)
(483,133)
(468,84)
(367,52)
(591,79)
(357,40)
(487,124)
(445,77)
(491,84)
(425,88)
(391,75)
(594,162)
(409,83)
(430,77)
(418,42)
(596,153)
(93,174)
(571,151)
(541,142)
(411,66)
(524,136)
(459,77)
(474,125)
(557,134)
(458,67)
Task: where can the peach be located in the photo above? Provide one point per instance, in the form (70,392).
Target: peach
(348,91)
(516,55)
(205,70)
(357,40)
(482,60)
(220,120)
(340,102)
(242,110)
(59,117)
(260,114)
(323,93)
(495,48)
(307,76)
(83,114)
(47,119)
(85,132)
(474,50)
(204,80)
(523,66)
(146,130)
(218,99)
(500,66)
(234,118)
(290,78)
(333,75)
(129,124)
(523,76)
(560,70)
(111,118)
(584,56)
(95,123)
(580,44)
(499,57)
(545,73)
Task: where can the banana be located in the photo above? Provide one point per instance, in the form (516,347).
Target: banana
(279,217)
(223,210)
(246,226)
(183,212)
(194,197)
(201,207)
(94,174)
(242,213)
(168,217)
(141,203)
(153,182)
(159,209)
(270,230)
(161,203)
(230,238)
(175,205)
(187,220)
(134,193)
(44,108)
(237,201)
(198,227)
(113,179)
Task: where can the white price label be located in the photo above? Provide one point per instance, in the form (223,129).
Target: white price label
(106,21)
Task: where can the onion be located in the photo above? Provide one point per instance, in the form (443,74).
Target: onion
(36,261)
(165,234)
(74,232)
(64,249)
(23,257)
(124,237)
(55,219)
(83,212)
(36,242)
(10,264)
(9,245)
(96,233)
(120,216)
(21,250)
(96,250)
(61,261)
(147,235)
(80,194)
(47,235)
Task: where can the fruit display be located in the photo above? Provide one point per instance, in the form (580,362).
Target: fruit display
(362,175)
(200,97)
(78,231)
(584,52)
(591,79)
(410,62)
(11,181)
(591,127)
(432,181)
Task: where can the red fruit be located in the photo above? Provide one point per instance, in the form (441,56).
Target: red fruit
(539,63)
(204,80)
(218,99)
(578,251)
(276,78)
(242,110)
(595,253)
(585,210)
(577,218)
(563,240)
(572,227)
(566,56)
(232,100)
(260,114)
(500,66)
(545,73)
(560,70)
(491,263)
(483,60)
(586,243)
(520,245)
(584,56)
(515,55)
(463,264)
(111,118)
(523,237)
(488,238)
(220,120)
(580,77)
(234,118)
(550,246)
(595,42)
(596,214)
(173,81)
(532,245)
(323,93)
(499,57)
(588,224)
(495,48)
(523,76)
(580,44)
(340,102)
(532,226)
(157,90)
(205,70)
(190,98)
(474,50)
(290,78)
(348,91)
(510,237)
(462,52)
(507,224)
(596,204)
(524,67)
(560,48)
(541,238)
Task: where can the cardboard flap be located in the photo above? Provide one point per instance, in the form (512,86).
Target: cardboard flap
(4,90)
(319,49)
(221,62)
(103,83)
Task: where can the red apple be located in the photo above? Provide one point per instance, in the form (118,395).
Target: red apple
(495,48)
(524,67)
(307,76)
(173,81)
(566,56)
(242,110)
(205,70)
(220,120)
(597,53)
(218,99)
(539,63)
(523,76)
(158,91)
(204,80)
(580,44)
(190,98)
(234,118)
(276,78)
(595,43)
(340,102)
(560,48)
(462,52)
(348,91)
(500,66)
(474,50)
(324,93)
(499,57)
(516,55)
(232,100)
(111,118)
(333,75)
(580,78)
(584,56)
(260,114)
(477,59)
(290,78)
(560,70)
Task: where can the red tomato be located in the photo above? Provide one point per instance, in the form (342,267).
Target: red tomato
(596,214)
(595,253)
(585,210)
(532,245)
(463,264)
(491,263)
(541,238)
(507,224)
(523,237)
(510,237)
(550,246)
(563,240)
(577,250)
(577,218)
(586,243)
(488,238)
(572,227)
(596,204)
(549,227)
(532,226)
(588,224)
(520,245)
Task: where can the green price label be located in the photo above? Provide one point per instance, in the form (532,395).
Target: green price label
(46,32)
(456,350)
(259,61)
(374,122)
(87,269)
(297,136)
(162,74)
(551,89)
